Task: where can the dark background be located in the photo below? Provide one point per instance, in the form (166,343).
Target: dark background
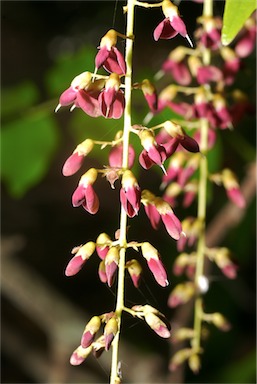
(43,312)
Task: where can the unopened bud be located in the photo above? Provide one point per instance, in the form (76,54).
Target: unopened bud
(179,358)
(181,294)
(110,331)
(91,329)
(135,270)
(79,355)
(194,363)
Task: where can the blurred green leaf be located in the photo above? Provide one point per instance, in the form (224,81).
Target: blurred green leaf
(67,67)
(27,146)
(235,14)
(242,371)
(17,98)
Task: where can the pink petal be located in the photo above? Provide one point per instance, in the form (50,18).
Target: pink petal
(157,269)
(235,195)
(101,56)
(87,339)
(78,196)
(115,62)
(178,24)
(153,215)
(110,270)
(145,160)
(68,97)
(91,203)
(152,101)
(164,30)
(88,104)
(172,225)
(74,266)
(72,164)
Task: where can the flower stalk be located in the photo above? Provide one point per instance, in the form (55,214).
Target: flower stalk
(123,215)
(202,200)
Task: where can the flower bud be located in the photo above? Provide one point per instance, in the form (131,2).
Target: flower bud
(79,355)
(181,294)
(194,363)
(157,325)
(110,331)
(82,255)
(154,263)
(182,334)
(75,161)
(220,321)
(111,264)
(135,270)
(90,331)
(103,243)
(102,272)
(179,358)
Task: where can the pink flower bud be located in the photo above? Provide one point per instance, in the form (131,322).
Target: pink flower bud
(115,156)
(111,264)
(154,263)
(130,194)
(75,161)
(157,325)
(103,243)
(79,355)
(181,294)
(110,331)
(135,270)
(90,331)
(170,220)
(82,255)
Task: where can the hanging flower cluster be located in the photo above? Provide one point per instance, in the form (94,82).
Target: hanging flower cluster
(175,147)
(205,85)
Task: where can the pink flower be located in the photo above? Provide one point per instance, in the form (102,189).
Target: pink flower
(154,263)
(157,208)
(176,66)
(83,93)
(208,73)
(177,132)
(130,194)
(149,92)
(246,42)
(153,152)
(210,34)
(235,195)
(109,56)
(116,154)
(111,99)
(172,24)
(84,194)
(231,65)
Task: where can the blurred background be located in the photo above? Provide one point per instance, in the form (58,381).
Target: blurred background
(45,44)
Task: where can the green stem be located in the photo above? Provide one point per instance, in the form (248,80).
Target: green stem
(202,201)
(123,216)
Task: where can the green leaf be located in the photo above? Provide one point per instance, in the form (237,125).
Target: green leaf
(17,98)
(27,146)
(235,14)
